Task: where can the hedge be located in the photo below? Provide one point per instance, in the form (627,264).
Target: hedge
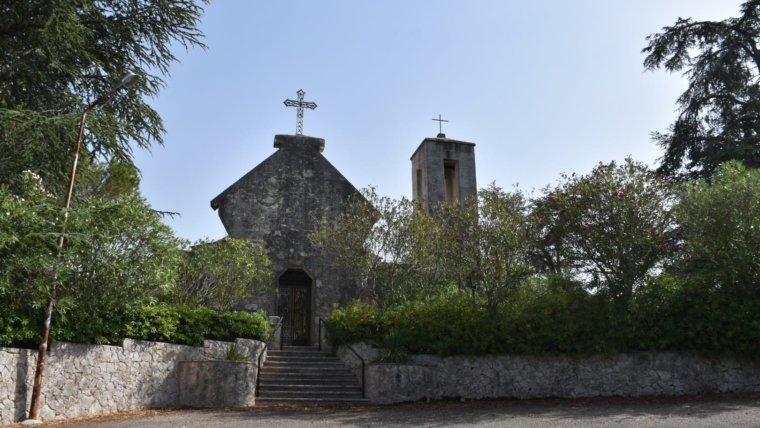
(661,317)
(110,325)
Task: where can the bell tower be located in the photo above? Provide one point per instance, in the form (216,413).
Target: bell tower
(443,171)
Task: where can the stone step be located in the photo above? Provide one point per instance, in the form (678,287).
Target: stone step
(263,401)
(298,354)
(326,370)
(298,375)
(299,349)
(301,358)
(314,364)
(299,380)
(343,387)
(310,394)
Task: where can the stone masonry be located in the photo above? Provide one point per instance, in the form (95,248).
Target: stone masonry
(523,376)
(429,164)
(82,380)
(277,204)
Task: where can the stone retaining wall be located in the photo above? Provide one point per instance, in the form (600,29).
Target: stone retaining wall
(520,376)
(82,380)
(217,383)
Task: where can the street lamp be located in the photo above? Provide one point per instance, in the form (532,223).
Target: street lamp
(126,82)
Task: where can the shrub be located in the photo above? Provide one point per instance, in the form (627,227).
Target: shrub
(219,274)
(90,324)
(664,316)
(721,228)
(612,227)
(386,245)
(485,244)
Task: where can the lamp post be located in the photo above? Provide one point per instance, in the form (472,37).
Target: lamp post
(126,82)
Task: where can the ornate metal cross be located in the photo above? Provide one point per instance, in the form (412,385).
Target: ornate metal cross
(439,120)
(300,104)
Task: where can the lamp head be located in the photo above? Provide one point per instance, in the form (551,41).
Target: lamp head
(126,82)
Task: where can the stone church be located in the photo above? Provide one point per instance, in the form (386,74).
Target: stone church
(290,193)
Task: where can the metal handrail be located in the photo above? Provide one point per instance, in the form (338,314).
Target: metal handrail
(258,371)
(319,333)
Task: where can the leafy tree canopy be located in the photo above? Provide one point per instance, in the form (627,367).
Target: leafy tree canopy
(719,118)
(57,56)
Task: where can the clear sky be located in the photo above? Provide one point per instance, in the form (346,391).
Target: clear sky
(542,87)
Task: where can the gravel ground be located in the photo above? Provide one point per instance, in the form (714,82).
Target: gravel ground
(728,410)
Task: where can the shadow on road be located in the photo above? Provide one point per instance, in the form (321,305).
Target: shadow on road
(729,410)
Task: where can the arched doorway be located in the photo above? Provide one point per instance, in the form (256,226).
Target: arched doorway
(294,306)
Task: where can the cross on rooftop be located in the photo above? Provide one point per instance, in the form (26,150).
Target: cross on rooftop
(439,120)
(300,105)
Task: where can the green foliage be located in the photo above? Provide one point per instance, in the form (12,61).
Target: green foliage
(59,56)
(115,250)
(356,321)
(386,245)
(401,253)
(129,255)
(117,261)
(485,244)
(393,345)
(612,227)
(83,322)
(721,228)
(106,181)
(719,118)
(30,223)
(232,354)
(218,274)
(550,320)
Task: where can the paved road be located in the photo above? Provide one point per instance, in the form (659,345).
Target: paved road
(693,412)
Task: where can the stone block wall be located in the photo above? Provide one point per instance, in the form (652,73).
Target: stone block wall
(217,383)
(522,376)
(82,380)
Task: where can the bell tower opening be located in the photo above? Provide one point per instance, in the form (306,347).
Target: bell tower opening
(451,178)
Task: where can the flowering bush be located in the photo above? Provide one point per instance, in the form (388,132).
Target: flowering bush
(613,226)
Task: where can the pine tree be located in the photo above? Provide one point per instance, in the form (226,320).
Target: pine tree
(719,114)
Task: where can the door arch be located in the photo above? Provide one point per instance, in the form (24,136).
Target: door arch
(294,306)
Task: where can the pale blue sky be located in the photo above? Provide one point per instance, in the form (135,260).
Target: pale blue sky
(541,88)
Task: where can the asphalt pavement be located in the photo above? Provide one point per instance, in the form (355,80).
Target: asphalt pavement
(734,411)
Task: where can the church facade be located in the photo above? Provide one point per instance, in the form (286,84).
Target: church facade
(280,201)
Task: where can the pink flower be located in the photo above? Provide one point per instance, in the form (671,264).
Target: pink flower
(540,214)
(662,236)
(549,242)
(554,200)
(660,247)
(616,193)
(636,204)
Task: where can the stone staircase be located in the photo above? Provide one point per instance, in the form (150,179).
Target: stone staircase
(304,375)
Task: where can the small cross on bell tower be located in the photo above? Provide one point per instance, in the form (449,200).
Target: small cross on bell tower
(440,129)
(300,105)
